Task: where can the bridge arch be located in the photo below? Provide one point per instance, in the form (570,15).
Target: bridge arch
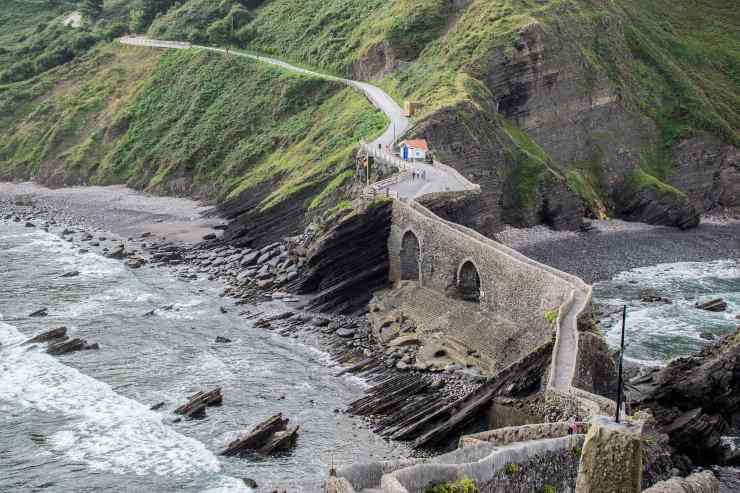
(468,281)
(410,256)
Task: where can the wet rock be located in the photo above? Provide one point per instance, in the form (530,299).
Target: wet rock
(118,253)
(223,310)
(270,436)
(82,250)
(146,234)
(197,403)
(134,262)
(717,305)
(73,273)
(49,335)
(345,332)
(70,346)
(157,406)
(222,340)
(695,400)
(30,225)
(250,259)
(210,236)
(43,312)
(250,483)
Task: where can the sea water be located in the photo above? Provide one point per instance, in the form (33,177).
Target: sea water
(82,422)
(658,331)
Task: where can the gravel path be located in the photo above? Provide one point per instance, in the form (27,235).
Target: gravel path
(614,246)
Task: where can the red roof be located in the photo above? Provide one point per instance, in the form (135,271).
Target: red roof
(416,144)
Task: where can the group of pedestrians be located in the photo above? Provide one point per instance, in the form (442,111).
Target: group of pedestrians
(421,174)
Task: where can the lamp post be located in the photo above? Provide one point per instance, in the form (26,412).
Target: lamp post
(621,360)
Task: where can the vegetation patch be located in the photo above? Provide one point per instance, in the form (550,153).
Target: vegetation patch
(466,485)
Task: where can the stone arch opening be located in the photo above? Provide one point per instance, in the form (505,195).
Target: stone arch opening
(468,282)
(410,257)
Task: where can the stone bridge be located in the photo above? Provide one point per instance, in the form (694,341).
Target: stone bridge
(460,264)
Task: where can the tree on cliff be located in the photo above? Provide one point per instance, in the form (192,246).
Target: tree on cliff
(91,9)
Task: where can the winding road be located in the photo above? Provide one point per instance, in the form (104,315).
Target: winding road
(437,178)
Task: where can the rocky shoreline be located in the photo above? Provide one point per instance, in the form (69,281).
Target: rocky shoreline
(613,246)
(256,282)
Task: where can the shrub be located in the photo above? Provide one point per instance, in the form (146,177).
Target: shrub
(466,485)
(512,469)
(548,488)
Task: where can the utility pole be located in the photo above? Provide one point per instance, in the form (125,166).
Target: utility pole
(621,360)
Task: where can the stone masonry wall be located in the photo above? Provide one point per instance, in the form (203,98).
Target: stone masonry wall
(558,469)
(515,289)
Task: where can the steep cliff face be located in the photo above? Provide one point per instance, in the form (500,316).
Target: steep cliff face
(599,151)
(350,260)
(696,400)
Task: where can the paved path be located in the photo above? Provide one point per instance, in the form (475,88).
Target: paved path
(564,361)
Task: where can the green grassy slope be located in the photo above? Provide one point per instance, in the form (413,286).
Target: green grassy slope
(191,122)
(674,62)
(187,123)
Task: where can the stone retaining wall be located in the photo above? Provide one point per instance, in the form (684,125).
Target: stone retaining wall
(517,468)
(513,434)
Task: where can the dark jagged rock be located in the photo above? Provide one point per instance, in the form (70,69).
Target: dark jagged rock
(157,406)
(696,400)
(250,483)
(254,227)
(49,335)
(349,262)
(281,441)
(43,312)
(270,436)
(222,340)
(70,346)
(652,205)
(73,273)
(596,369)
(718,305)
(196,405)
(463,208)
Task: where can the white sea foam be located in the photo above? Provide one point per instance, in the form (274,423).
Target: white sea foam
(659,331)
(105,430)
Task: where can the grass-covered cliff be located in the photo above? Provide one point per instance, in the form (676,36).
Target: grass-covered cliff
(557,108)
(622,108)
(187,123)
